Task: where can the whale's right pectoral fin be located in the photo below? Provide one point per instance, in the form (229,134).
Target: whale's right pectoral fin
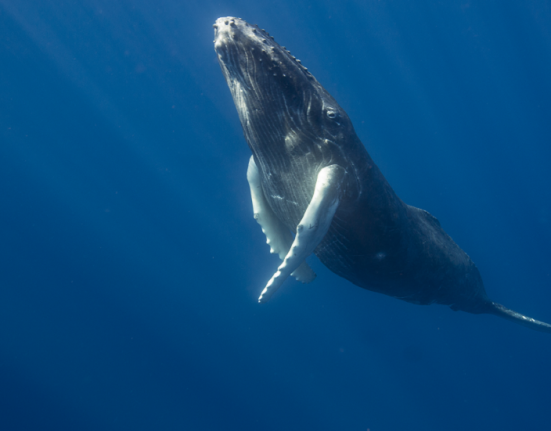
(312,228)
(278,237)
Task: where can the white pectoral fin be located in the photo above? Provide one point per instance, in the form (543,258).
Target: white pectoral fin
(278,237)
(312,228)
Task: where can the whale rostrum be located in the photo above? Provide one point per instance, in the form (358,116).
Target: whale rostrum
(310,174)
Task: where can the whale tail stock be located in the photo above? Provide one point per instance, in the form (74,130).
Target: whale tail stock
(501,311)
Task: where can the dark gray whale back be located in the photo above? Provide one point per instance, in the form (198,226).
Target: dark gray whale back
(294,129)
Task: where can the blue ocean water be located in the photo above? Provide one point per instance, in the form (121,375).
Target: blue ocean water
(131,264)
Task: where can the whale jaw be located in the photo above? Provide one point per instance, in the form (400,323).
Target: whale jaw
(283,109)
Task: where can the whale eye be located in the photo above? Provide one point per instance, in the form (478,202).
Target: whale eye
(331,114)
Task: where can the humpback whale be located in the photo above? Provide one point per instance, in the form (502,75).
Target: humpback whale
(309,174)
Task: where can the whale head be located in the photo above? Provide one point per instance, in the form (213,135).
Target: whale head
(282,107)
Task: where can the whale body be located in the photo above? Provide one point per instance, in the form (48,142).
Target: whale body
(310,174)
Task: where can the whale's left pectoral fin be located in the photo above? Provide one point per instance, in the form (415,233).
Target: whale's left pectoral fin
(312,228)
(278,237)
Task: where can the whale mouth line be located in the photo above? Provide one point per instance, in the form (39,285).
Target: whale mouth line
(278,100)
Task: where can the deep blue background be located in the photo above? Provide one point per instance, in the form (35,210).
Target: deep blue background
(130,263)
